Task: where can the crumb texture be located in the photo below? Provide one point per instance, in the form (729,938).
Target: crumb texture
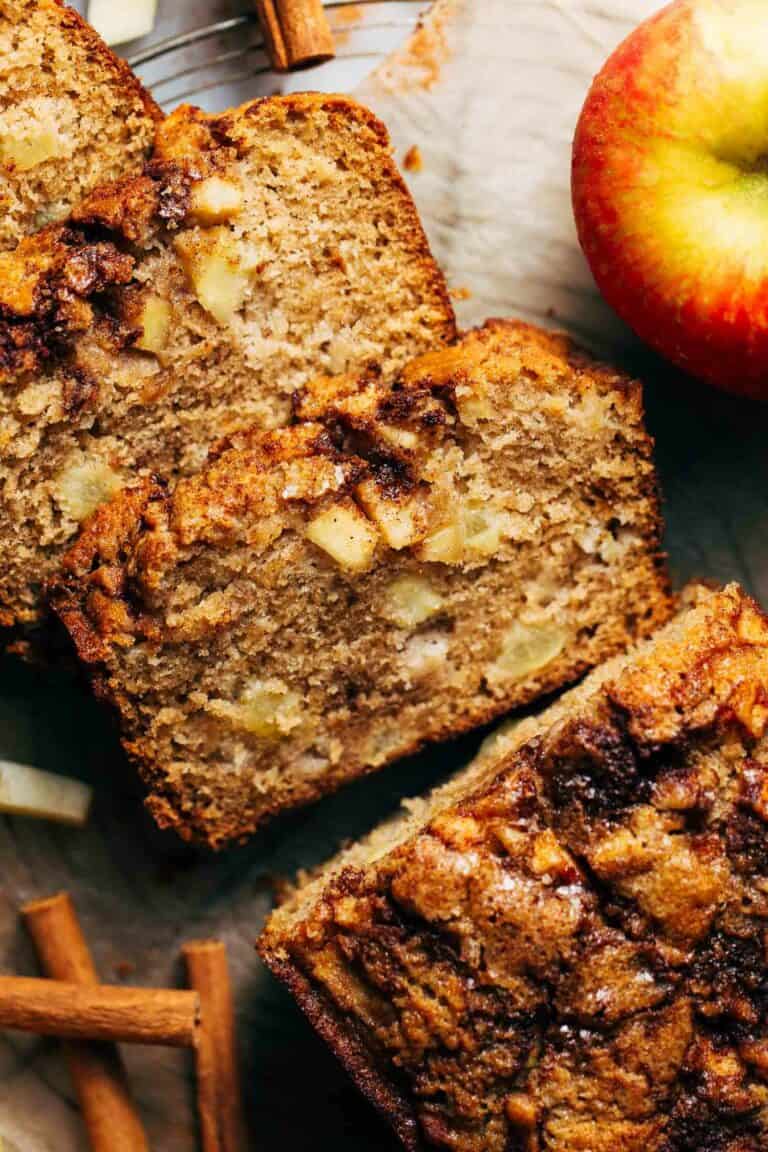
(566,950)
(72,115)
(256,249)
(323,599)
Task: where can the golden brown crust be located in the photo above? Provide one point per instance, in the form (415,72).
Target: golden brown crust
(572,953)
(127,207)
(45,289)
(73,115)
(720,674)
(189,146)
(375,1083)
(102,618)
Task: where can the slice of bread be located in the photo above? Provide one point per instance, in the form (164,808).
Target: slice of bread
(72,115)
(565,947)
(322,600)
(259,248)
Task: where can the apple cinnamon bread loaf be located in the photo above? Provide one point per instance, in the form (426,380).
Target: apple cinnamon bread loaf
(564,950)
(258,248)
(408,562)
(71,115)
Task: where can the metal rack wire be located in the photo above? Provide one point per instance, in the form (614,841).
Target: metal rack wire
(231,51)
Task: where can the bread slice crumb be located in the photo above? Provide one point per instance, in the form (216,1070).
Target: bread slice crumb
(564,947)
(257,249)
(407,562)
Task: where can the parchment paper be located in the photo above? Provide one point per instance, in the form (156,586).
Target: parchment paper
(490,95)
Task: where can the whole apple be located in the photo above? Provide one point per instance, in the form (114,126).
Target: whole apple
(670,187)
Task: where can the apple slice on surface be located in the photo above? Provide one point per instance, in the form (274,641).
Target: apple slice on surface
(670,187)
(28,791)
(118,23)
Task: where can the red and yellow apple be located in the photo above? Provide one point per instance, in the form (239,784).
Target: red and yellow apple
(670,187)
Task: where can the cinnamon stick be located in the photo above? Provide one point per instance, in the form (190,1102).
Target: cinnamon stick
(74,1012)
(296,33)
(97,1071)
(220,1107)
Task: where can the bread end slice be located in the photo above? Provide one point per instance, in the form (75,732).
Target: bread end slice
(564,947)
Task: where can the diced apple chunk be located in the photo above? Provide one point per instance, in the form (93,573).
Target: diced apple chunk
(211,261)
(402,521)
(85,484)
(346,535)
(476,533)
(410,600)
(119,23)
(403,438)
(221,288)
(526,649)
(28,791)
(155,321)
(29,151)
(426,654)
(444,546)
(482,530)
(267,709)
(473,404)
(215,200)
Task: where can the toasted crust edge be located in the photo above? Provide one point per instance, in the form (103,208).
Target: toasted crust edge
(349,1048)
(92,42)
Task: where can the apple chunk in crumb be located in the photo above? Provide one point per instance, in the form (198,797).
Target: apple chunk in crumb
(25,152)
(155,322)
(401,518)
(215,200)
(84,484)
(212,260)
(345,534)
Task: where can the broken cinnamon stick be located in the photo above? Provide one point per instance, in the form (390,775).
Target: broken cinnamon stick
(74,1012)
(97,1071)
(296,33)
(220,1107)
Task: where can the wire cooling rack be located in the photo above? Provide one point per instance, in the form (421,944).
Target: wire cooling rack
(222,62)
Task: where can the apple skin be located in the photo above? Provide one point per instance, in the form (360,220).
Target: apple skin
(670,187)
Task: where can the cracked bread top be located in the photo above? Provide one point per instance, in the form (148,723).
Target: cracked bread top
(570,950)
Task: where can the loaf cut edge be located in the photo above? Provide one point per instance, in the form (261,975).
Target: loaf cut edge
(564,947)
(257,248)
(388,572)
